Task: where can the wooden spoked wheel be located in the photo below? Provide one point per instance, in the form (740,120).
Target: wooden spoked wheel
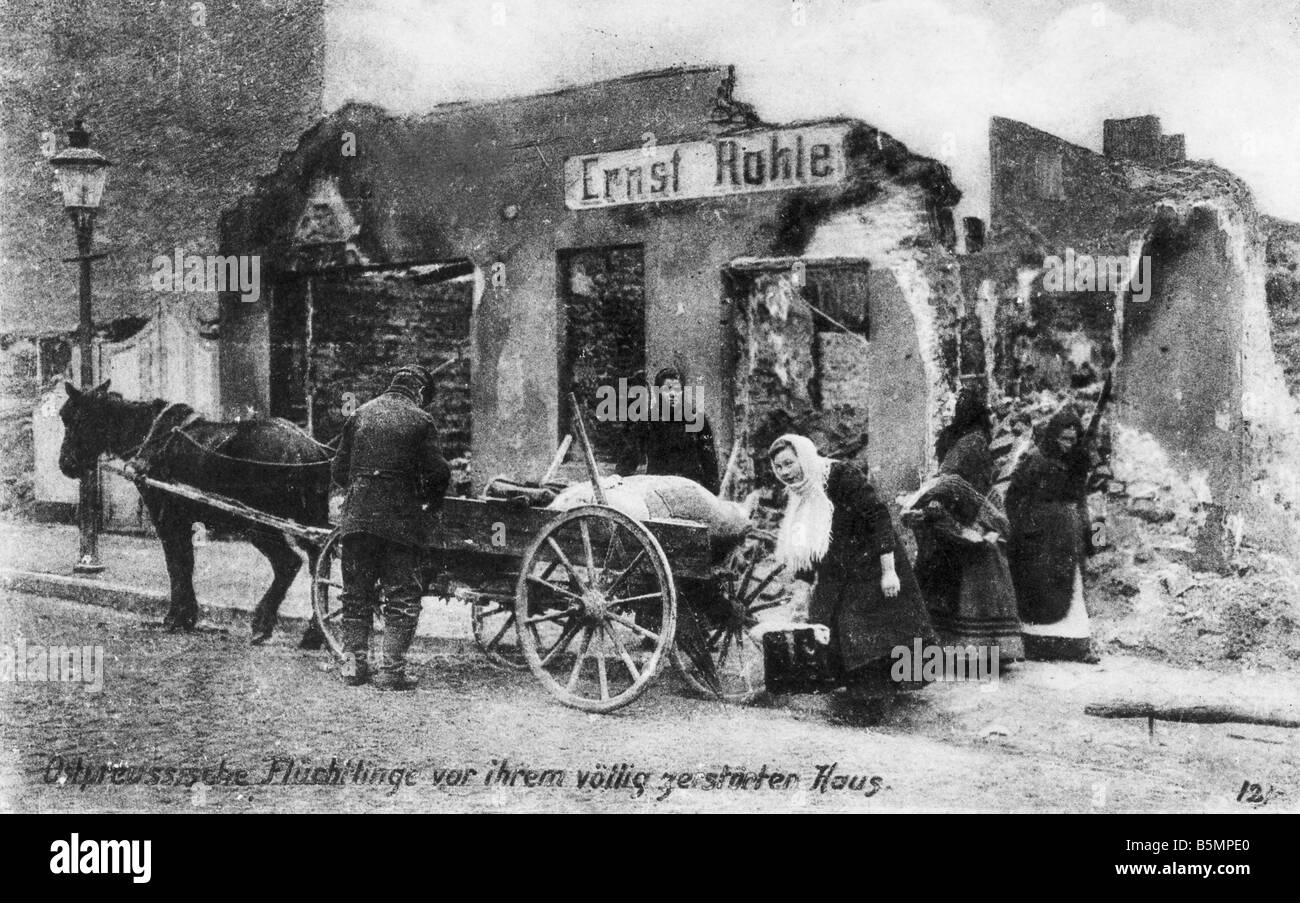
(493,623)
(326,588)
(726,619)
(596,608)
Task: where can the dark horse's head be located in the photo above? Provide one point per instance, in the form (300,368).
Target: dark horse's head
(89,428)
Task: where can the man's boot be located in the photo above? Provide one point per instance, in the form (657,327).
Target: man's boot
(355,669)
(392,672)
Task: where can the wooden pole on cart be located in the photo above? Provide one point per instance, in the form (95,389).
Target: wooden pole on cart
(597,491)
(733,460)
(560,455)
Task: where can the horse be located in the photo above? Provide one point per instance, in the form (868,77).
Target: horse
(266,463)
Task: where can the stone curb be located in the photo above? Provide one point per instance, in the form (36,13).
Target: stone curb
(87,590)
(150,603)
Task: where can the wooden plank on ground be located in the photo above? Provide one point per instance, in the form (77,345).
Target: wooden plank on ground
(1194,713)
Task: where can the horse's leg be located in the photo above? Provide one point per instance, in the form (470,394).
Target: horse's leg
(285,564)
(312,636)
(175,528)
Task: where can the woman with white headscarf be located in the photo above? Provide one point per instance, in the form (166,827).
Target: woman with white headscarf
(837,529)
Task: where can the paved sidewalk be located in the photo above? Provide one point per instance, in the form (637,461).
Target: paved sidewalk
(229,576)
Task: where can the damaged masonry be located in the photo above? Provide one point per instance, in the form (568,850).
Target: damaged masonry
(812,273)
(460,406)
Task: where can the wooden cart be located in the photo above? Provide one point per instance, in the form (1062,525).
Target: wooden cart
(589,599)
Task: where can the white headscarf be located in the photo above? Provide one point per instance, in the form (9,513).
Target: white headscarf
(805,533)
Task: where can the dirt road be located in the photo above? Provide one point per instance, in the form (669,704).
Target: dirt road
(200,700)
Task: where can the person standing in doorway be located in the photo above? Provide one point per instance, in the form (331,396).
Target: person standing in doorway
(1048,510)
(968,437)
(395,477)
(669,443)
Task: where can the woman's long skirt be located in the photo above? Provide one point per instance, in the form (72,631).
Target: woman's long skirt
(866,626)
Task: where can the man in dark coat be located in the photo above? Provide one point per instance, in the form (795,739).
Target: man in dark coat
(388,461)
(666,445)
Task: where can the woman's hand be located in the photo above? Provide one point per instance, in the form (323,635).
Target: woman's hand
(889,584)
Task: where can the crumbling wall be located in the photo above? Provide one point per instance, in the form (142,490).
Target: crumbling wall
(1151,589)
(1181,378)
(1047,192)
(1196,527)
(892,233)
(1282,288)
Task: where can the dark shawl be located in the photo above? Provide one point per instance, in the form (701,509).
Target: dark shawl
(970,416)
(1047,508)
(966,581)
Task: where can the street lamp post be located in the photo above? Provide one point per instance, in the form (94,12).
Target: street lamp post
(82,173)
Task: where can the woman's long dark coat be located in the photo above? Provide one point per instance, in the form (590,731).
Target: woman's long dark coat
(865,625)
(1047,508)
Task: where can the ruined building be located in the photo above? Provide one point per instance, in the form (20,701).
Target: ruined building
(801,274)
(1182,322)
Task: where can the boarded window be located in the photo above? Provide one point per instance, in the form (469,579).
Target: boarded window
(840,293)
(839,364)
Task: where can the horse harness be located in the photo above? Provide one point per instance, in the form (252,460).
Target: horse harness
(141,466)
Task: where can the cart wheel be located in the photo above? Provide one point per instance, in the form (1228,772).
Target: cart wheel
(597,608)
(326,587)
(493,622)
(727,623)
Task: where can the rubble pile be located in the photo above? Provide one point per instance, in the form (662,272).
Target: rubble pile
(1020,420)
(1171,576)
(1161,586)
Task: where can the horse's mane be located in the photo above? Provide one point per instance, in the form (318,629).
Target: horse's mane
(118,401)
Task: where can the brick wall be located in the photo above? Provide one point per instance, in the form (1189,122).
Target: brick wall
(365,328)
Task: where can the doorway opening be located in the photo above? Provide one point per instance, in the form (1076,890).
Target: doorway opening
(337,337)
(602,321)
